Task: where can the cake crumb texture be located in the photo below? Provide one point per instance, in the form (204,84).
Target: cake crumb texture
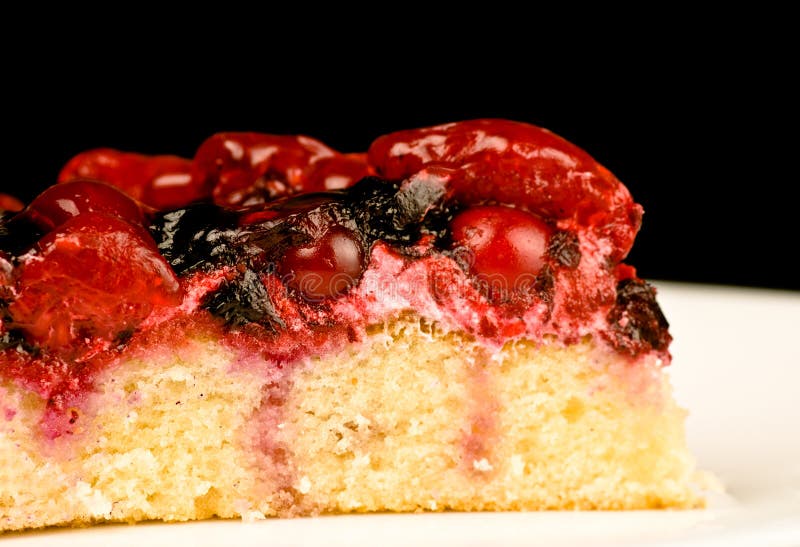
(413,419)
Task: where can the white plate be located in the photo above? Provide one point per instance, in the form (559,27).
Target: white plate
(736,366)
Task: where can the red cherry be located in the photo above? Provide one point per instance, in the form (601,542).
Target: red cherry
(246,169)
(10,203)
(95,276)
(159,181)
(170,183)
(337,172)
(503,247)
(61,202)
(325,267)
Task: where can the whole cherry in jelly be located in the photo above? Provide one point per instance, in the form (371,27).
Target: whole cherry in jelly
(503,248)
(324,267)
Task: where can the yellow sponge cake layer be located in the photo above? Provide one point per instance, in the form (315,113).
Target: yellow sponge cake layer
(413,418)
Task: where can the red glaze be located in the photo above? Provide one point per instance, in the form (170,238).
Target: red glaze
(504,248)
(10,203)
(326,267)
(520,164)
(61,202)
(246,169)
(95,276)
(162,182)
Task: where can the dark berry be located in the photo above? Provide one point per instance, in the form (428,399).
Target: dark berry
(394,212)
(18,233)
(194,236)
(637,322)
(243,300)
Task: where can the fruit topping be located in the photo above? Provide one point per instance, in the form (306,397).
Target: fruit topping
(159,181)
(510,162)
(284,225)
(94,276)
(502,248)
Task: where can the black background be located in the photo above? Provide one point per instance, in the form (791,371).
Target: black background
(704,138)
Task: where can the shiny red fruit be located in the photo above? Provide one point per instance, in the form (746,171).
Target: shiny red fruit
(61,202)
(95,276)
(162,182)
(326,267)
(337,172)
(171,184)
(504,248)
(10,203)
(246,169)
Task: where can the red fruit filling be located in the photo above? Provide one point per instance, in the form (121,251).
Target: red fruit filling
(96,276)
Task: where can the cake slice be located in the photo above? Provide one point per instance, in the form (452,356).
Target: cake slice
(275,329)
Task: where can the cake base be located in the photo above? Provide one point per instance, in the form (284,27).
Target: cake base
(414,418)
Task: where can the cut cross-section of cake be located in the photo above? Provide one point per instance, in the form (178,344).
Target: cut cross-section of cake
(275,328)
